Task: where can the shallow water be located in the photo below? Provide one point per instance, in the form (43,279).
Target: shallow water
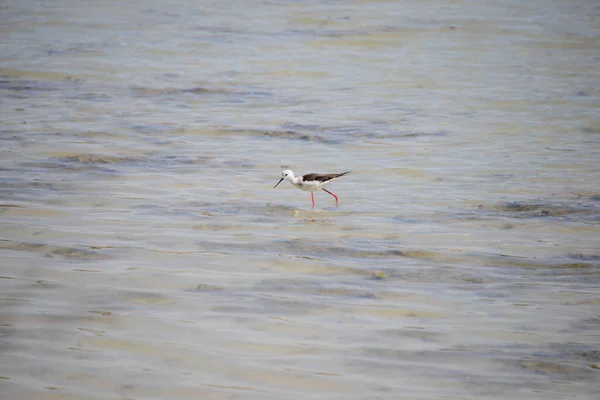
(145,253)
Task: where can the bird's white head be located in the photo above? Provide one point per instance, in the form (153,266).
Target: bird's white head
(287,174)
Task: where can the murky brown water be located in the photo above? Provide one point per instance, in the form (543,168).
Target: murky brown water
(145,254)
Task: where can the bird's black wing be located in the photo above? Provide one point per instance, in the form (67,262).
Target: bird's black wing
(322,177)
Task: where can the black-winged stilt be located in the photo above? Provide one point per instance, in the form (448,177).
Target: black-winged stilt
(311,182)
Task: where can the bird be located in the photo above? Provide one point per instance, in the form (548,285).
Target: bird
(311,182)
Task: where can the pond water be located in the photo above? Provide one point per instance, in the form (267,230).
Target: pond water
(144,253)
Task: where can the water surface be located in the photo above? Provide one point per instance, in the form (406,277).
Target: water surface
(146,255)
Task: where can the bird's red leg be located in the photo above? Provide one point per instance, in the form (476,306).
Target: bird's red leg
(312,196)
(336,198)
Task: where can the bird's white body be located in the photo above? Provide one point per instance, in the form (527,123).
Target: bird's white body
(307,186)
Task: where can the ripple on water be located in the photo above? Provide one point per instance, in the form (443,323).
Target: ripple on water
(144,297)
(530,210)
(101,159)
(23,84)
(49,250)
(168,91)
(295,135)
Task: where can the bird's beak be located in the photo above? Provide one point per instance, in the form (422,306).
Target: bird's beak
(278,183)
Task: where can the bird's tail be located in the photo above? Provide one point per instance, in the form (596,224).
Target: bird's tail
(343,173)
